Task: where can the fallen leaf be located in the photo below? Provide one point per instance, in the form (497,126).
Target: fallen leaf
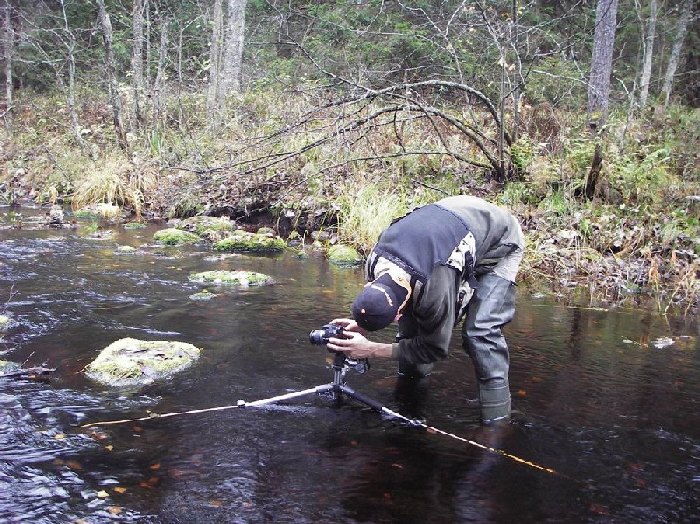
(521,393)
(115,510)
(215,503)
(59,436)
(109,448)
(154,466)
(74,464)
(102,494)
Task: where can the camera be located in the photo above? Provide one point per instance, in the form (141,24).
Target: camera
(321,336)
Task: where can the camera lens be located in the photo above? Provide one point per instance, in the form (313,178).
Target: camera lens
(317,336)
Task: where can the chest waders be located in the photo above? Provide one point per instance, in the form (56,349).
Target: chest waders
(491,307)
(432,236)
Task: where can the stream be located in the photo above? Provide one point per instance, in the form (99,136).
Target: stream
(607,398)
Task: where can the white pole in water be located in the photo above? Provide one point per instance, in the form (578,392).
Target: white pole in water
(352,394)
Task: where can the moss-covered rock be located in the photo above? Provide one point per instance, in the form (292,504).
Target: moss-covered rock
(233,278)
(202,296)
(126,250)
(175,237)
(208,228)
(132,362)
(134,225)
(343,255)
(267,231)
(99,210)
(4,323)
(253,242)
(8,367)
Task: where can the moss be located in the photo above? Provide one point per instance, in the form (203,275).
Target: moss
(342,255)
(126,250)
(243,241)
(204,226)
(8,367)
(202,296)
(100,210)
(234,278)
(135,225)
(267,231)
(175,237)
(132,362)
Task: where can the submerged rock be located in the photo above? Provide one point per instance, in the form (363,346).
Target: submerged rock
(126,250)
(202,296)
(234,278)
(343,255)
(99,210)
(175,237)
(208,228)
(244,241)
(135,225)
(132,362)
(4,323)
(8,367)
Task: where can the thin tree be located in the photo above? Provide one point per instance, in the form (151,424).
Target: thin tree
(71,43)
(137,64)
(601,62)
(650,36)
(213,91)
(8,46)
(233,51)
(113,86)
(681,28)
(159,84)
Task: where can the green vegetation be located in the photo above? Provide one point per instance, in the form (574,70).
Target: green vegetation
(344,255)
(250,242)
(355,113)
(232,278)
(128,361)
(175,237)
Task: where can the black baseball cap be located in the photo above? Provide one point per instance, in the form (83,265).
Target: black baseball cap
(377,305)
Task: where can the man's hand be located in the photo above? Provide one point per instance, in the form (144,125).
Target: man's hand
(349,325)
(357,345)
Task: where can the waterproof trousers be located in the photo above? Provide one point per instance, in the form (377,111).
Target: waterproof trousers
(491,307)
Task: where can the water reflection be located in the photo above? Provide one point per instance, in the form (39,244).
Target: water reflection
(594,398)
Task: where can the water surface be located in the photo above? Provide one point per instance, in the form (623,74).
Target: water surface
(595,399)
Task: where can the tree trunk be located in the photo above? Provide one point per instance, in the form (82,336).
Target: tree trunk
(601,63)
(147,46)
(137,65)
(648,55)
(70,91)
(517,91)
(159,84)
(233,51)
(114,99)
(213,91)
(681,28)
(9,42)
(180,115)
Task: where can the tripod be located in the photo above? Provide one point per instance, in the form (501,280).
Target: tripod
(337,389)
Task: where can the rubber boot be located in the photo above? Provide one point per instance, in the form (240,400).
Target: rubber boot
(494,396)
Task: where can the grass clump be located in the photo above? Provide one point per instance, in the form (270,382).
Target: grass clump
(366,213)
